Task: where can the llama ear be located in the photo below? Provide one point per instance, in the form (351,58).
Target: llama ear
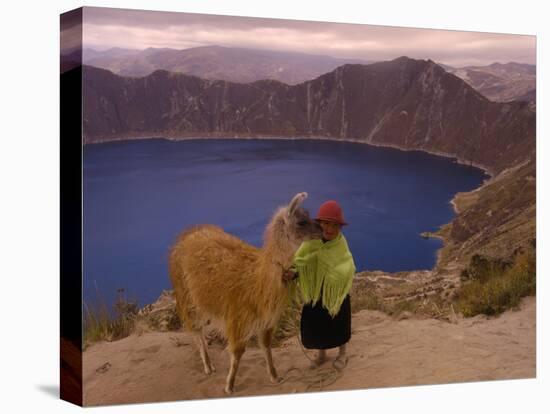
(296,201)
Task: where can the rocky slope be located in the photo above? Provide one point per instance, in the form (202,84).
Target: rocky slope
(411,104)
(495,219)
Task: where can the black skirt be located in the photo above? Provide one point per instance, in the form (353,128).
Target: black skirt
(320,331)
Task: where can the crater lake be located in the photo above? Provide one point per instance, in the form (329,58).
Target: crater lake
(139,195)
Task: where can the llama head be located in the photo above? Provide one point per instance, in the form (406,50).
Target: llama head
(289,227)
(298,225)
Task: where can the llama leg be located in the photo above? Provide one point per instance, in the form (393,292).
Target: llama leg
(237,352)
(265,342)
(203,349)
(192,324)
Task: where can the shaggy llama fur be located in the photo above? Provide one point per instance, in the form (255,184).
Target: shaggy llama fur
(218,277)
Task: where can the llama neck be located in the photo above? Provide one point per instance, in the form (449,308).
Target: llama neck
(276,255)
(279,247)
(274,258)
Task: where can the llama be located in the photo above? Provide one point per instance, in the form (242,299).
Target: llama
(218,277)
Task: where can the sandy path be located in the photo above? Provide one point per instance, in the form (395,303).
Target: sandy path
(382,352)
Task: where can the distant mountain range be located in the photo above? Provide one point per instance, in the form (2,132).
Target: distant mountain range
(500,82)
(217,63)
(412,104)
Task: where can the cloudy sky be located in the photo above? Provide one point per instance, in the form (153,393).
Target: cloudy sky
(135,29)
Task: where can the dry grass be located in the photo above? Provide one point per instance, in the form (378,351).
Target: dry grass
(102,325)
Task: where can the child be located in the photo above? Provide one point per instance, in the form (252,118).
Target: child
(325,271)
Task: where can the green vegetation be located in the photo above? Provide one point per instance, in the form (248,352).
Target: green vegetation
(102,325)
(491,286)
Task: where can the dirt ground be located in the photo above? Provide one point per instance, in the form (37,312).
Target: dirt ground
(383,352)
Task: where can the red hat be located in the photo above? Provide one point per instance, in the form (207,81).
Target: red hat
(331,211)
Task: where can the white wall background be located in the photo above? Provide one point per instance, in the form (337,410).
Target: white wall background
(29,223)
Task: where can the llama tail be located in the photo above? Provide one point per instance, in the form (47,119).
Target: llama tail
(184,304)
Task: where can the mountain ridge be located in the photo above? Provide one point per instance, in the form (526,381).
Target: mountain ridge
(413,104)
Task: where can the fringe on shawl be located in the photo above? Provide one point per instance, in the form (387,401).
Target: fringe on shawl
(332,272)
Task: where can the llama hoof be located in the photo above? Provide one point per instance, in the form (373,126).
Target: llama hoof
(209,369)
(276,380)
(228,390)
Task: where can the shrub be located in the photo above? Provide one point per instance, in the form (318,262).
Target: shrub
(494,286)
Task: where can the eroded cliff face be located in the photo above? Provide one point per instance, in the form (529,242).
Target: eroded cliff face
(412,104)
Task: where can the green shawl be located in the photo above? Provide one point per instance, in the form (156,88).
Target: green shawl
(328,266)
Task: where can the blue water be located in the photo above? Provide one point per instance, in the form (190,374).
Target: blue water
(139,195)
